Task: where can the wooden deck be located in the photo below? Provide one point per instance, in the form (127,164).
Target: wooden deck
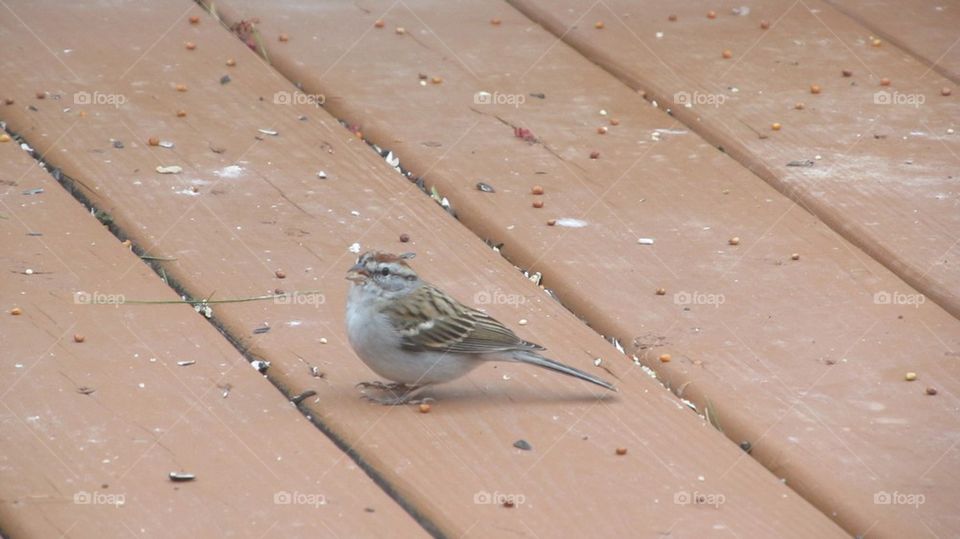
(792,342)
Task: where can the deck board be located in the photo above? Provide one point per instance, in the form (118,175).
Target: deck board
(91,430)
(273,212)
(802,359)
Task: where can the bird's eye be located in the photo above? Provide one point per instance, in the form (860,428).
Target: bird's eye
(385,272)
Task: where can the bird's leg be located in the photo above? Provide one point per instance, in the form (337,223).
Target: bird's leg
(377,384)
(399,394)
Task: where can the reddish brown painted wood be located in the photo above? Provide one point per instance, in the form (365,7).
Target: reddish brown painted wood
(91,430)
(800,359)
(927,29)
(235,232)
(887,179)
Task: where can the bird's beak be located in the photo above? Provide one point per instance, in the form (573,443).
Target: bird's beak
(357,273)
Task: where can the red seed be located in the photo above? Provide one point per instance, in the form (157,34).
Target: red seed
(16,311)
(945,91)
(537,203)
(79,338)
(551,222)
(847,73)
(190,45)
(621,451)
(765,25)
(283,37)
(404,238)
(378,24)
(814,88)
(599,25)
(537,190)
(931,391)
(727,54)
(194,19)
(594,155)
(280,274)
(495,21)
(711,14)
(665,358)
(672,18)
(661,291)
(884,82)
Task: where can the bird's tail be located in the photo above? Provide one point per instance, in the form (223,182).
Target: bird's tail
(547,363)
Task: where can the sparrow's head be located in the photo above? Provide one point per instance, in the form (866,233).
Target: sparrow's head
(386,271)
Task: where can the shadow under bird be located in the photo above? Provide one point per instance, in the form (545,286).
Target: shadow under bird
(412,333)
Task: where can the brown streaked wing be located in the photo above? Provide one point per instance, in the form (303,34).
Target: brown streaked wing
(455,327)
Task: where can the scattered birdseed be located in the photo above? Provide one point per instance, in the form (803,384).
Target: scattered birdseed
(16,311)
(495,21)
(551,222)
(594,155)
(775,126)
(378,24)
(727,54)
(945,91)
(322,175)
(910,376)
(280,274)
(672,18)
(4,137)
(599,25)
(645,241)
(404,238)
(795,256)
(186,363)
(665,358)
(194,19)
(424,407)
(486,188)
(190,45)
(931,390)
(522,322)
(270,132)
(537,203)
(36,191)
(876,42)
(84,390)
(523,445)
(181,114)
(799,106)
(153,141)
(231,62)
(172,169)
(400,30)
(847,73)
(711,14)
(225,79)
(734,240)
(180,477)
(765,25)
(181,87)
(621,451)
(537,190)
(602,130)
(283,38)
(815,88)
(166,144)
(260,365)
(661,291)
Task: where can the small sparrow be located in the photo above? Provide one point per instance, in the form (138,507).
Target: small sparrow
(414,334)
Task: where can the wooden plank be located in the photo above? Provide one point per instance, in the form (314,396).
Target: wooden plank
(885,178)
(92,429)
(800,358)
(927,29)
(260,207)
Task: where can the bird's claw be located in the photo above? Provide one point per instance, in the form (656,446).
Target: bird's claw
(399,393)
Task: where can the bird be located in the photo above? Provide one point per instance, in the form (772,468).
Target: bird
(415,335)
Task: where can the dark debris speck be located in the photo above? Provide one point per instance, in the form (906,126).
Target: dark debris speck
(523,445)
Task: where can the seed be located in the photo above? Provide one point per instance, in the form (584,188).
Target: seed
(153,141)
(551,222)
(404,238)
(436,80)
(231,62)
(537,190)
(876,42)
(126,243)
(910,376)
(711,14)
(378,24)
(79,338)
(614,121)
(734,240)
(665,358)
(594,155)
(194,19)
(599,25)
(672,18)
(847,73)
(537,203)
(8,101)
(884,82)
(799,105)
(931,390)
(508,504)
(280,274)
(661,291)
(4,137)
(621,451)
(728,54)
(283,37)
(16,311)
(41,95)
(181,113)
(400,30)
(795,256)
(945,91)
(602,130)
(424,407)
(495,21)
(814,88)
(765,24)
(190,45)
(181,87)
(775,126)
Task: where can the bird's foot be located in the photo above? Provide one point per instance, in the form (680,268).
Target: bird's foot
(398,393)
